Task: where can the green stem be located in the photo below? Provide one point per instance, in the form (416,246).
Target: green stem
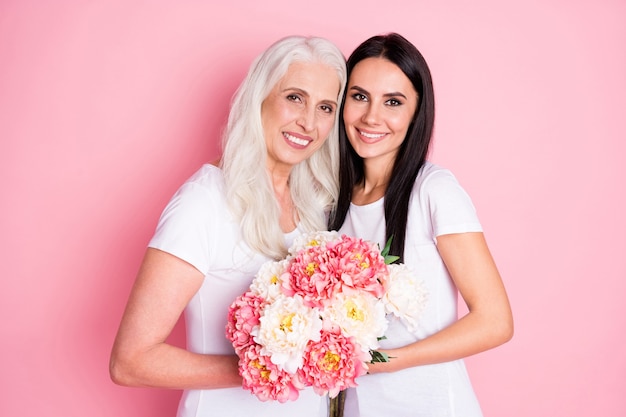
(335,408)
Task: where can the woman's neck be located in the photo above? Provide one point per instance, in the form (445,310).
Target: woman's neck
(288,212)
(374,184)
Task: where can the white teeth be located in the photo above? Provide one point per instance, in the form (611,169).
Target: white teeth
(297,141)
(372,135)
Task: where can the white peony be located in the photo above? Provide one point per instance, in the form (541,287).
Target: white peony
(405,295)
(267,281)
(358,314)
(312,239)
(285,328)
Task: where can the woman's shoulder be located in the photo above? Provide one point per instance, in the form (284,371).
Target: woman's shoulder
(435,183)
(207,176)
(433,174)
(204,188)
(438,191)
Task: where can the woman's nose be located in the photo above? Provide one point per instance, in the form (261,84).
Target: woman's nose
(306,120)
(371,115)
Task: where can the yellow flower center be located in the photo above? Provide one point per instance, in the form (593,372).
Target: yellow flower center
(365,264)
(314,242)
(285,323)
(330,362)
(274,279)
(310,268)
(265,373)
(353,311)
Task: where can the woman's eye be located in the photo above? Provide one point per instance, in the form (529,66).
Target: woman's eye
(359,97)
(294,97)
(327,109)
(393,102)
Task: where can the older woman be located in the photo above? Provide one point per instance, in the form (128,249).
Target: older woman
(276,179)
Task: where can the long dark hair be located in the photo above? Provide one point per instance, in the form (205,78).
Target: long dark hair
(413,151)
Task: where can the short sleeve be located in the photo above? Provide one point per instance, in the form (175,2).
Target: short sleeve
(185,225)
(450,207)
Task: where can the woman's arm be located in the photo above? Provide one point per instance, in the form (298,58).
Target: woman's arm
(140,355)
(488,323)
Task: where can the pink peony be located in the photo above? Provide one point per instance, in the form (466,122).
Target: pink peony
(313,318)
(359,264)
(266,380)
(333,364)
(312,275)
(243,315)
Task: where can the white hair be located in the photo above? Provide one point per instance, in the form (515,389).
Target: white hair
(313,182)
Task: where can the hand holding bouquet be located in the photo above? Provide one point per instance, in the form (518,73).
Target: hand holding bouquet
(316,317)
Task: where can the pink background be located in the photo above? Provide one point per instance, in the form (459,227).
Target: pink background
(106,106)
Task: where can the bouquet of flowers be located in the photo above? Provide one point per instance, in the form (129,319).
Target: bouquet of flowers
(316,317)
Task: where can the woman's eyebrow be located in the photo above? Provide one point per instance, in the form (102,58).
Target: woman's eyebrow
(365,92)
(306,94)
(359,89)
(295,90)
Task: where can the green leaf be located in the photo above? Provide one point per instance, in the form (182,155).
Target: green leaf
(385,250)
(389,259)
(378,356)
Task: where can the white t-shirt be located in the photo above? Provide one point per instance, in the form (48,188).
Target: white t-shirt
(438,206)
(197,227)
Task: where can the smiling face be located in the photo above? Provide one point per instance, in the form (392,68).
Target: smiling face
(380,105)
(299,113)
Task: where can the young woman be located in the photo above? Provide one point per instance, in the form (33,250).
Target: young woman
(277,179)
(389,189)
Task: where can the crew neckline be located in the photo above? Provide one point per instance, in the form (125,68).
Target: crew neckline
(294,232)
(376,203)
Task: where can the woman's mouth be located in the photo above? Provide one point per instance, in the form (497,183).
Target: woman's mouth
(370,137)
(296,140)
